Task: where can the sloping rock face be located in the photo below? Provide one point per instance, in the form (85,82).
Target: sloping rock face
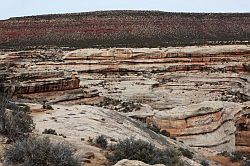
(207,124)
(83,121)
(243,131)
(126,162)
(200,95)
(124,28)
(80,125)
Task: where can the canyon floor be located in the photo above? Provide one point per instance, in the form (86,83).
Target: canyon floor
(198,95)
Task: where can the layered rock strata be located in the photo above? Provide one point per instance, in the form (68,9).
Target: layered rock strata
(203,87)
(243,131)
(81,124)
(208,124)
(219,58)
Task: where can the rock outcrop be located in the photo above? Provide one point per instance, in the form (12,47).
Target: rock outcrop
(207,58)
(209,124)
(80,67)
(80,125)
(242,141)
(199,95)
(161,73)
(126,162)
(49,86)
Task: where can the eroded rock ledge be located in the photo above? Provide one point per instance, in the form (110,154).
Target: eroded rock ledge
(210,124)
(198,94)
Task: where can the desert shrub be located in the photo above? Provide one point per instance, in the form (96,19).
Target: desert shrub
(101,141)
(204,163)
(49,131)
(19,124)
(15,121)
(186,153)
(158,131)
(121,106)
(165,133)
(48,107)
(40,151)
(246,163)
(224,153)
(62,135)
(156,85)
(143,151)
(236,156)
(154,128)
(24,107)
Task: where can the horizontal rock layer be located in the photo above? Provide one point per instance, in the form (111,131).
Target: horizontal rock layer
(197,94)
(48,86)
(210,124)
(243,131)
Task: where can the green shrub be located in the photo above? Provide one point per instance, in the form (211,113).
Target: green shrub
(101,141)
(49,131)
(40,152)
(25,107)
(15,121)
(186,153)
(165,133)
(236,156)
(19,124)
(143,151)
(224,153)
(204,163)
(246,163)
(158,131)
(48,107)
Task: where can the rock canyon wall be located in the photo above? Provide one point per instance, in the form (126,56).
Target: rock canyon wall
(199,95)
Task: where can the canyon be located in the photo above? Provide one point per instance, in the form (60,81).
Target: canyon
(199,95)
(181,82)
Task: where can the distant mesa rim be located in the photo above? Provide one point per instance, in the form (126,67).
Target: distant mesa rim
(124,28)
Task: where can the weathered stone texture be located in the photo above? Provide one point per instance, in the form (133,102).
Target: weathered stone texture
(48,86)
(197,94)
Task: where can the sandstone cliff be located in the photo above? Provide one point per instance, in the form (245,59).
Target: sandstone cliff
(199,95)
(207,124)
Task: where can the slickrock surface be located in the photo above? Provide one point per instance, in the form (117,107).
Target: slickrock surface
(199,94)
(82,121)
(207,124)
(81,124)
(124,28)
(126,162)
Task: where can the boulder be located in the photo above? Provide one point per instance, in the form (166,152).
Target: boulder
(126,162)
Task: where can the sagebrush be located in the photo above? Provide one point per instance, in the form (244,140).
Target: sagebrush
(40,152)
(146,152)
(15,120)
(49,131)
(101,141)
